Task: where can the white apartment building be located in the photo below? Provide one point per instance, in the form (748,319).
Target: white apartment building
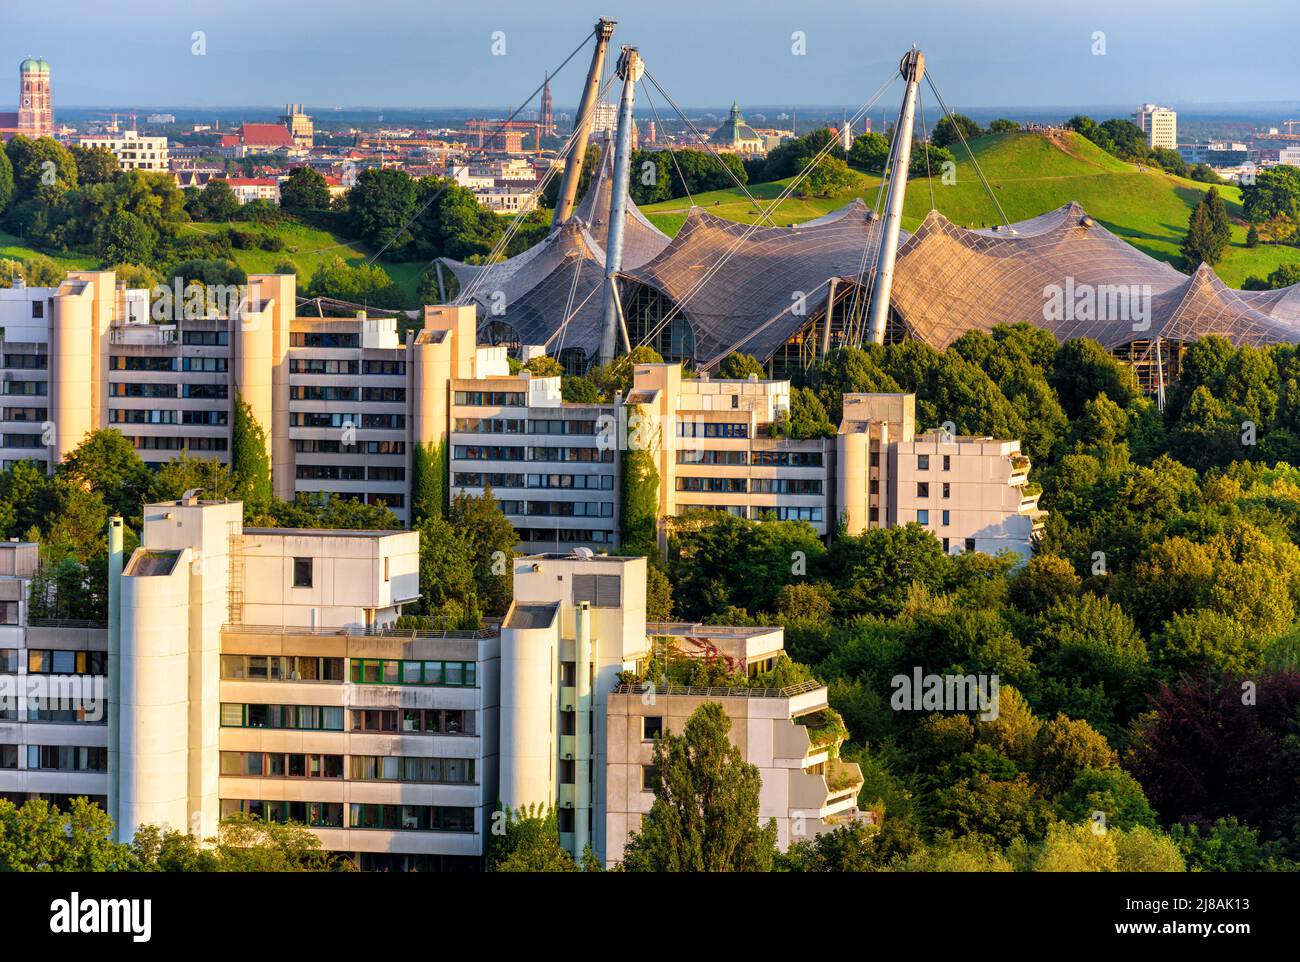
(973,494)
(53,697)
(261,672)
(344,403)
(1160,124)
(714,447)
(573,734)
(553,466)
(134,151)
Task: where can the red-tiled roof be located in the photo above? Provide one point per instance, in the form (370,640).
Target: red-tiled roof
(251,181)
(265,135)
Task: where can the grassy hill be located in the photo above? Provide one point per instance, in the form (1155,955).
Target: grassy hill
(1030,174)
(306,247)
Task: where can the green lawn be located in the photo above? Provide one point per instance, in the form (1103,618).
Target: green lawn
(306,247)
(1030,174)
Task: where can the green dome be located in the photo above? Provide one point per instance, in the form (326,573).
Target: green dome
(34,66)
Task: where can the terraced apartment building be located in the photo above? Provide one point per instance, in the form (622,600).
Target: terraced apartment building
(346,404)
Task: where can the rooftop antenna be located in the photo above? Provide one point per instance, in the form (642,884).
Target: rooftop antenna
(912,67)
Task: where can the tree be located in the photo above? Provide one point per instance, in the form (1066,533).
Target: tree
(639,491)
(208,475)
(870,152)
(1208,232)
(95,165)
(738,366)
(1045,581)
(128,238)
(380,206)
(1003,126)
(491,539)
(38,837)
(948,128)
(250,460)
(107,463)
(529,841)
(216,202)
(429,467)
(6,181)
(705,814)
(43,169)
(1084,369)
(1113,792)
(358,283)
(304,190)
(830,178)
(543,365)
(246,843)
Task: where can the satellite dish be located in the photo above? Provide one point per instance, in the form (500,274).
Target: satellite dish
(586,554)
(191,496)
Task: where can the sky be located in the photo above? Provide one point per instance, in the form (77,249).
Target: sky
(438,53)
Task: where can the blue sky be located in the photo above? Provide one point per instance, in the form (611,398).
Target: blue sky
(705,52)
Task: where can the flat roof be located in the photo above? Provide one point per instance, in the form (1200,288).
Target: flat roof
(329,532)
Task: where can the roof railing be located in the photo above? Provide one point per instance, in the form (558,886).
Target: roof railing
(691,690)
(467,634)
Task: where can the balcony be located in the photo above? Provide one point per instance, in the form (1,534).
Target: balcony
(843,781)
(826,731)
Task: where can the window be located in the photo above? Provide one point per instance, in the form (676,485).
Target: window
(947,518)
(652,727)
(8,756)
(290,717)
(970,544)
(38,309)
(649,778)
(302,572)
(923,517)
(44,662)
(923,489)
(568,771)
(923,462)
(947,489)
(8,612)
(9,661)
(945,545)
(455,674)
(566,820)
(947,462)
(419,818)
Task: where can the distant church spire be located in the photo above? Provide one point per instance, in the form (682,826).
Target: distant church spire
(548,113)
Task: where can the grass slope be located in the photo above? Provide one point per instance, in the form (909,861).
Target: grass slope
(1030,174)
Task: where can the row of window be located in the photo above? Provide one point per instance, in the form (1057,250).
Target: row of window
(414,721)
(516,399)
(26,414)
(334,392)
(712,429)
(54,716)
(324,446)
(22,441)
(923,489)
(559,509)
(27,362)
(566,535)
(764,459)
(577,482)
(26,388)
(923,517)
(325,419)
(281,668)
(324,339)
(388,768)
(759,513)
(41,661)
(503,452)
(173,443)
(64,758)
(206,418)
(375,671)
(923,462)
(320,365)
(349,472)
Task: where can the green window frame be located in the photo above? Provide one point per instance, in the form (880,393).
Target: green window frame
(433,673)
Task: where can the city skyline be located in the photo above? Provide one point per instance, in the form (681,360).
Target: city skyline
(416,58)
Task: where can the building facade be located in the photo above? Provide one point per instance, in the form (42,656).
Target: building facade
(346,404)
(134,151)
(1160,124)
(53,697)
